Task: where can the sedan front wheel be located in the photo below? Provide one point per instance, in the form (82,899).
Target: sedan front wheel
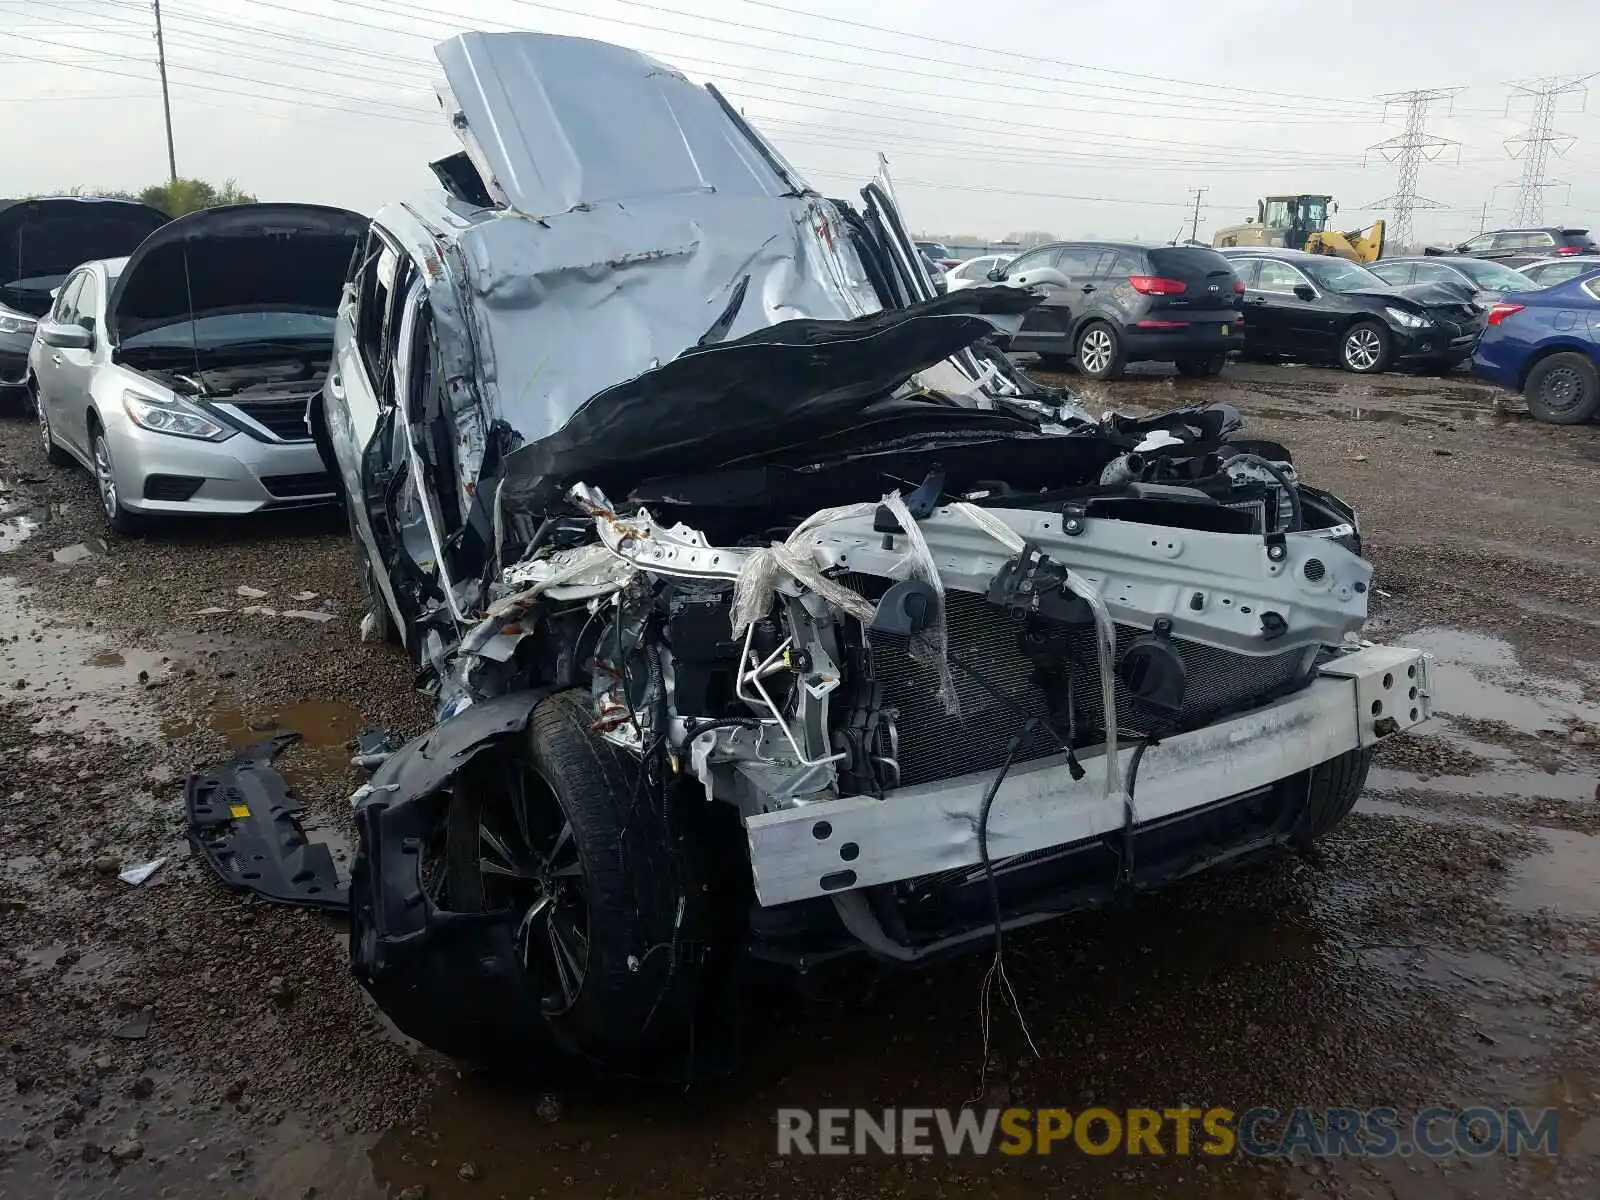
(1365,348)
(119,518)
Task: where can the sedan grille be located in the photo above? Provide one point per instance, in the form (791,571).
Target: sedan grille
(934,745)
(285,419)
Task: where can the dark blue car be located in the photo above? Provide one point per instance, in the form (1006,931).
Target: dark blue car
(1546,345)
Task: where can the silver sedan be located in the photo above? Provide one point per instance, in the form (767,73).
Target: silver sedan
(180,375)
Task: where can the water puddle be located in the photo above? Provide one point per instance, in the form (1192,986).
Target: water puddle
(69,679)
(1478,676)
(16,528)
(326,728)
(1563,877)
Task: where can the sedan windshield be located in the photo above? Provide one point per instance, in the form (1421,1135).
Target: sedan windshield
(1338,275)
(1493,276)
(232,329)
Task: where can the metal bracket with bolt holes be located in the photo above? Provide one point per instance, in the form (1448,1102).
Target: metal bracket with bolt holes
(833,846)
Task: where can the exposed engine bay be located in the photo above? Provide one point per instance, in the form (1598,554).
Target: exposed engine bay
(273,379)
(769,609)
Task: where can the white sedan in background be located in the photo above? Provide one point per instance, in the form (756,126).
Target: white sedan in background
(974,271)
(1547,272)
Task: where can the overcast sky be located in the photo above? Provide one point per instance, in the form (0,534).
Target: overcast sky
(1081,117)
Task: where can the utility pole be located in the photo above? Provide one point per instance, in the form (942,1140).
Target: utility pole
(1194,225)
(1534,146)
(166,100)
(1483,218)
(1410,149)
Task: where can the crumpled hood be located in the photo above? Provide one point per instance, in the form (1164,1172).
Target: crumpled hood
(1420,295)
(649,238)
(46,238)
(790,382)
(237,258)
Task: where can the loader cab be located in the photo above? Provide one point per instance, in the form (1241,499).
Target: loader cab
(1298,216)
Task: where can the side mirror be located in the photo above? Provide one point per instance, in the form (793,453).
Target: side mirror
(1305,291)
(66,337)
(996,275)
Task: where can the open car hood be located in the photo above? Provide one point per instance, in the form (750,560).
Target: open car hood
(46,238)
(238,258)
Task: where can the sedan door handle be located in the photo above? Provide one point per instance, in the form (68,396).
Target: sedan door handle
(1088,287)
(1255,299)
(56,358)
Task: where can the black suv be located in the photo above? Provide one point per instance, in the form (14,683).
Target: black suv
(1121,302)
(1513,247)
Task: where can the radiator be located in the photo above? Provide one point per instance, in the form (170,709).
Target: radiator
(936,745)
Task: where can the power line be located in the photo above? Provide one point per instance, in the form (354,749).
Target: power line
(1009,70)
(1410,149)
(1533,147)
(1230,88)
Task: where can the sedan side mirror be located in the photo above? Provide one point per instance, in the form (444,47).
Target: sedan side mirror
(1305,291)
(66,337)
(997,275)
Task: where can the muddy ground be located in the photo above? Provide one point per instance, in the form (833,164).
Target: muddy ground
(173,1039)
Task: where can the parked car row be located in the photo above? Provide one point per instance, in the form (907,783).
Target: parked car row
(177,367)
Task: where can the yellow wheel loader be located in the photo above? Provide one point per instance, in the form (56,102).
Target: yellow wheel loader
(1301,223)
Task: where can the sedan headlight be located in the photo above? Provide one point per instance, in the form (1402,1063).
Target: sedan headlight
(15,322)
(174,415)
(1408,320)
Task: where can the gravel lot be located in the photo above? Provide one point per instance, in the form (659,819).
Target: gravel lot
(171,1039)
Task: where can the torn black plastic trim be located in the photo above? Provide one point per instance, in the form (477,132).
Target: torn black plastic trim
(450,980)
(243,819)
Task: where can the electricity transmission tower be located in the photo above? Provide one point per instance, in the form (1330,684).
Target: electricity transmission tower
(1534,146)
(1410,149)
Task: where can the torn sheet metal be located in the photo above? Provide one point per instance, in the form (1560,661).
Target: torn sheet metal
(244,820)
(523,106)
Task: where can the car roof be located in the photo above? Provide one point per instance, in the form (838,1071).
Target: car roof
(1556,229)
(1432,258)
(1272,252)
(1559,258)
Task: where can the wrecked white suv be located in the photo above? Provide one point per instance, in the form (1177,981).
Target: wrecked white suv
(769,610)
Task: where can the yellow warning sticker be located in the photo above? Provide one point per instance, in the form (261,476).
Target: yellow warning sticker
(239,811)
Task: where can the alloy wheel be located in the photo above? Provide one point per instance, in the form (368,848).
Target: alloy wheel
(103,477)
(1561,390)
(1094,352)
(529,863)
(1363,348)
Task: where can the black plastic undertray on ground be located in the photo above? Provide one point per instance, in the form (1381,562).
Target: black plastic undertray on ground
(243,818)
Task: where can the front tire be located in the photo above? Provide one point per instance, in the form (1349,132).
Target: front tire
(1332,789)
(1201,368)
(1563,389)
(1365,349)
(1100,352)
(53,453)
(565,837)
(119,518)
